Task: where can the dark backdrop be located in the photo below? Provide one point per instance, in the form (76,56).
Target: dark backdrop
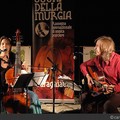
(91,20)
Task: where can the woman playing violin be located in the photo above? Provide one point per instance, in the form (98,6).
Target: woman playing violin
(107,61)
(7,61)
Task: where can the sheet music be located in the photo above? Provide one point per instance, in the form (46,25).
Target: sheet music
(40,78)
(64,77)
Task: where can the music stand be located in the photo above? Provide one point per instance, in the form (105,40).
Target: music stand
(40,78)
(23,82)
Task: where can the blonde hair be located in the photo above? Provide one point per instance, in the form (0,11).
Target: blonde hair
(107,46)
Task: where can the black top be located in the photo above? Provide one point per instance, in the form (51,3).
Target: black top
(11,61)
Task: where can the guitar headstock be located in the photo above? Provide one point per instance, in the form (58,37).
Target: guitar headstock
(18,35)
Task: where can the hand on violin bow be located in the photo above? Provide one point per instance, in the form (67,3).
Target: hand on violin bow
(25,66)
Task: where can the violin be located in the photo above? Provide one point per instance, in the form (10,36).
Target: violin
(15,100)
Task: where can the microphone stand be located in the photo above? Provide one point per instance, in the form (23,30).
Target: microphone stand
(0,92)
(35,82)
(54,68)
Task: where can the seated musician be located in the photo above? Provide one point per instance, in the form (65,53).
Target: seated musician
(108,92)
(7,60)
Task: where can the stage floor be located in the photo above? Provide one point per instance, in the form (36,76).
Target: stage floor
(60,108)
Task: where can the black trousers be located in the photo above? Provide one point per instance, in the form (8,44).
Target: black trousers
(99,104)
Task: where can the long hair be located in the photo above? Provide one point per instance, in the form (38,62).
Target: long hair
(6,38)
(107,46)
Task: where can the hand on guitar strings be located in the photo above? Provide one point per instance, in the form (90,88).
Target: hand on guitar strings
(89,80)
(108,89)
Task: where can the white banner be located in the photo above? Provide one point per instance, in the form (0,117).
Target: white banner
(88,53)
(25,55)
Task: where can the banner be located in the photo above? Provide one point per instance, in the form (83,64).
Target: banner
(88,53)
(53,41)
(25,54)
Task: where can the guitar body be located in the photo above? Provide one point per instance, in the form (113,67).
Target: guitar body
(98,79)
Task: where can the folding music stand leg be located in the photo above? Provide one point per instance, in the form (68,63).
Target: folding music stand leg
(23,82)
(26,91)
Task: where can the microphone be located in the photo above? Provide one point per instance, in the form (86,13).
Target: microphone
(74,56)
(79,53)
(82,53)
(3,50)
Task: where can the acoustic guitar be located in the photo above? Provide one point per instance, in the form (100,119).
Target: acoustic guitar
(98,77)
